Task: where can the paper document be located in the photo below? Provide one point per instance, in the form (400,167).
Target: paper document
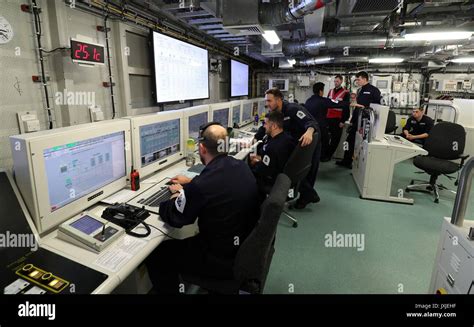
(115,258)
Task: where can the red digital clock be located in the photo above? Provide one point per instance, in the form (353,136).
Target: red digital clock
(87,53)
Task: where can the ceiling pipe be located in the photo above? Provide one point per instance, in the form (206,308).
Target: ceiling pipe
(312,46)
(323,60)
(276,14)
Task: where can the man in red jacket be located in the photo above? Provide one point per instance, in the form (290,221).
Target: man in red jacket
(335,119)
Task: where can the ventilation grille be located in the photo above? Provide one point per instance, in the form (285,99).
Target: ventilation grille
(374,5)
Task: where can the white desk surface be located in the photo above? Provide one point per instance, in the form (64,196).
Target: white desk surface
(131,262)
(88,257)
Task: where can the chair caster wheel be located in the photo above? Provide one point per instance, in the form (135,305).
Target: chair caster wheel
(436,201)
(295,224)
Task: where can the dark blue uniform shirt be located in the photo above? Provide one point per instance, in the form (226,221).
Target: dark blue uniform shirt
(224,197)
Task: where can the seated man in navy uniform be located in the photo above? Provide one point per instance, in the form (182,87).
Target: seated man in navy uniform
(418,127)
(224,197)
(271,158)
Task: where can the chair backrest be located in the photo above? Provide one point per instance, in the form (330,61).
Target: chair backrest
(254,256)
(391,122)
(299,163)
(446,141)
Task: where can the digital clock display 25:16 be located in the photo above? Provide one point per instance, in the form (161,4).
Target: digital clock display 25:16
(87,52)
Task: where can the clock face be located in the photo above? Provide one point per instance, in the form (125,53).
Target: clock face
(6,31)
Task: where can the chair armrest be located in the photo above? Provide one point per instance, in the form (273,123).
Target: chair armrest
(463,158)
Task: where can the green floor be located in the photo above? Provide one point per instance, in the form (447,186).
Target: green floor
(400,240)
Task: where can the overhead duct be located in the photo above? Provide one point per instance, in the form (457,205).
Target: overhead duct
(281,13)
(331,60)
(313,45)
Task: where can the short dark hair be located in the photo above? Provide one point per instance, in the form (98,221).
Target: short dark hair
(340,77)
(275,92)
(317,87)
(363,75)
(276,117)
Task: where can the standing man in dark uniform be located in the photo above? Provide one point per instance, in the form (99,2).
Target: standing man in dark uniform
(366,95)
(318,107)
(336,117)
(271,158)
(418,127)
(224,197)
(300,125)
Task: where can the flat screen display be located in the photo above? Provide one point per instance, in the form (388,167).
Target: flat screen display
(239,73)
(181,70)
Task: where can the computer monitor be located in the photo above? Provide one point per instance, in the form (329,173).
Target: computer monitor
(181,70)
(236,112)
(380,121)
(156,140)
(261,106)
(239,79)
(247,111)
(64,171)
(220,112)
(194,118)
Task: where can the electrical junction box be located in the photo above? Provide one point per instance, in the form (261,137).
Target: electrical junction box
(28,122)
(303,81)
(96,113)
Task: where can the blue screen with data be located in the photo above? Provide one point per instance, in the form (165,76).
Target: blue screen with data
(158,141)
(247,112)
(236,115)
(79,168)
(195,122)
(221,116)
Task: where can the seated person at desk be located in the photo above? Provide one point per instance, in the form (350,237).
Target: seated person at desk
(417,127)
(224,197)
(271,158)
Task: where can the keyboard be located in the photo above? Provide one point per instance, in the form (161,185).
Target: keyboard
(162,195)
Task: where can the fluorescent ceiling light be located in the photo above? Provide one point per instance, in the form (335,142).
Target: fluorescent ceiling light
(321,60)
(436,36)
(388,60)
(463,60)
(271,37)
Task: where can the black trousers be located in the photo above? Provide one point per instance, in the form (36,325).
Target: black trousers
(188,256)
(307,191)
(334,137)
(325,138)
(351,142)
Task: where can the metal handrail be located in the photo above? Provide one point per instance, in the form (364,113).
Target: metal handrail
(462,196)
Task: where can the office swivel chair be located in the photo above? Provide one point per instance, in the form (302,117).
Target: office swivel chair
(254,256)
(445,143)
(391,126)
(297,168)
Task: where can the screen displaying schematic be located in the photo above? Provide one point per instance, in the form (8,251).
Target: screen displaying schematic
(236,115)
(247,112)
(195,122)
(221,116)
(181,70)
(158,141)
(77,169)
